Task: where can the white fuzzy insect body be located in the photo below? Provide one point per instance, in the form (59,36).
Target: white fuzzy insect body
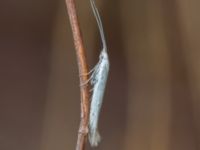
(98,81)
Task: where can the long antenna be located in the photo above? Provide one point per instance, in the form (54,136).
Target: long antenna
(99,23)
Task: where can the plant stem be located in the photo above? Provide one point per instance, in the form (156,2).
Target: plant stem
(83,70)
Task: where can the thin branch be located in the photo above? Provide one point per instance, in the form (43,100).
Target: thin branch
(83,70)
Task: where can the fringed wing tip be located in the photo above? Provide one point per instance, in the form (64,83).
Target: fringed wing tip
(94,139)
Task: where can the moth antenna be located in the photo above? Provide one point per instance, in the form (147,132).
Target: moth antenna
(99,23)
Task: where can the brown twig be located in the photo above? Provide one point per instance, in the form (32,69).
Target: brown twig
(83,70)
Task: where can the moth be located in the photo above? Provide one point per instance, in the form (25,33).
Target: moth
(98,81)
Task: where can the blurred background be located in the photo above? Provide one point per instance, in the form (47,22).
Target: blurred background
(153,91)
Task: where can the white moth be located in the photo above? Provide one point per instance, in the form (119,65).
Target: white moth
(98,81)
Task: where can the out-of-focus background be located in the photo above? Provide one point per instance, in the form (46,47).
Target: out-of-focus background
(152,100)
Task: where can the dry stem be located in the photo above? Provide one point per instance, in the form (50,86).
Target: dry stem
(83,70)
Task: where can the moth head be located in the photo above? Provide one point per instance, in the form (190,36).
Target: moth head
(103,54)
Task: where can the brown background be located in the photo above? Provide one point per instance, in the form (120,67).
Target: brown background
(152,100)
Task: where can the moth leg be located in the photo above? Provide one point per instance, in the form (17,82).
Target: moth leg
(86,82)
(94,71)
(91,71)
(92,79)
